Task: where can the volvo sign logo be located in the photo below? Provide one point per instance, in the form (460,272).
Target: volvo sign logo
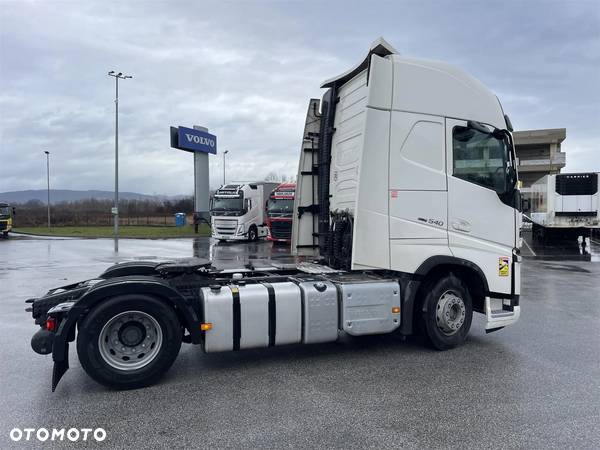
(192,140)
(200,140)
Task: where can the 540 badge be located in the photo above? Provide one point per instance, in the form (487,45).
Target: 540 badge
(503,266)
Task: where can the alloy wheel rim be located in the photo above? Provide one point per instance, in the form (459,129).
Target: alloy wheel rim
(450,313)
(130,340)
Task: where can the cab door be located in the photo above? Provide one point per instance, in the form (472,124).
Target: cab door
(418,197)
(481,227)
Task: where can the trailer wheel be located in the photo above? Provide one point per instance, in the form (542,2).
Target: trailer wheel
(252,234)
(446,312)
(129,341)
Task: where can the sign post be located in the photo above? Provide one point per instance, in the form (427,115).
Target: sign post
(200,142)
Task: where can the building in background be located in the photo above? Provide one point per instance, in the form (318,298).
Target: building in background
(539,153)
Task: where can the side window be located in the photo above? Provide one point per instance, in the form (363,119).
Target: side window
(479,158)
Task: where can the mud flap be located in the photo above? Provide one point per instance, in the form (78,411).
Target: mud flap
(60,367)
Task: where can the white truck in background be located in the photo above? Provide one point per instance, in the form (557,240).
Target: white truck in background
(406,209)
(565,206)
(237,211)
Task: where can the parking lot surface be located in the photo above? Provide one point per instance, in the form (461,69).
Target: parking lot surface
(534,385)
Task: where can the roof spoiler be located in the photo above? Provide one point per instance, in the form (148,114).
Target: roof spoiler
(379,47)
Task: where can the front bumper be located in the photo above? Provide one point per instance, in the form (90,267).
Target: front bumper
(229,237)
(272,239)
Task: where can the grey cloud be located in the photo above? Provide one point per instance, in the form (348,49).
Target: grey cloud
(247,69)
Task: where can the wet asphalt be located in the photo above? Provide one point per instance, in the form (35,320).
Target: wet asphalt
(533,385)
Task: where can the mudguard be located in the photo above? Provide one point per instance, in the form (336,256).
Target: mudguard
(180,265)
(130,268)
(149,285)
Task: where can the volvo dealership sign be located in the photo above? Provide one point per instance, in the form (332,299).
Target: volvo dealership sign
(201,143)
(192,140)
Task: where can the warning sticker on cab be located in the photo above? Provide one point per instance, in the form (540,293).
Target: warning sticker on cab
(503,266)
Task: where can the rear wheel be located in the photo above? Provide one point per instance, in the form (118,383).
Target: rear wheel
(129,341)
(446,312)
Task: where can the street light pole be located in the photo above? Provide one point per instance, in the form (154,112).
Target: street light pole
(117,76)
(224,153)
(48,182)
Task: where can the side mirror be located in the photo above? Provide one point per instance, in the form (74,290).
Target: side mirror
(14,211)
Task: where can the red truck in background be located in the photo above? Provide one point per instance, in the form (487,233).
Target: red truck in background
(280,212)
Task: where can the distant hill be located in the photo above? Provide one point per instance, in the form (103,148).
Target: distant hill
(65,195)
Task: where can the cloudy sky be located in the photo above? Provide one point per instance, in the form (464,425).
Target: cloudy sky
(246,70)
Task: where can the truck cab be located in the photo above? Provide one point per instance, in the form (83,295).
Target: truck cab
(280,213)
(238,211)
(408,165)
(7,213)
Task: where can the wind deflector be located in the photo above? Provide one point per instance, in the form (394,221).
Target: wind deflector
(380,48)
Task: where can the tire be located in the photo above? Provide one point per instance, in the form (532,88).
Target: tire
(535,232)
(252,234)
(446,312)
(134,321)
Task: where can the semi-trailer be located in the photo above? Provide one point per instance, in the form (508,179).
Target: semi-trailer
(564,206)
(407,212)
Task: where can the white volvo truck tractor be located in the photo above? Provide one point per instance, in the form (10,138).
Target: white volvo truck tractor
(237,211)
(406,205)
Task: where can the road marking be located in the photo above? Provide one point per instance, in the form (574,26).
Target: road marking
(530,249)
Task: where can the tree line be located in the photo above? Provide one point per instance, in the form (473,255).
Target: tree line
(98,212)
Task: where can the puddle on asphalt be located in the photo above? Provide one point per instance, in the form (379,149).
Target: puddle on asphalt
(564,268)
(574,250)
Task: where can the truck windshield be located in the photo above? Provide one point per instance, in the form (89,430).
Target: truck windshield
(235,204)
(480,158)
(4,210)
(280,206)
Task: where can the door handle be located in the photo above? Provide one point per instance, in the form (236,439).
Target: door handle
(461,225)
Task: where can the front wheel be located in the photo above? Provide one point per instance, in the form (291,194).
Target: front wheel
(446,312)
(252,234)
(129,341)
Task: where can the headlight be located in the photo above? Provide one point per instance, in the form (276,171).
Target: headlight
(240,229)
